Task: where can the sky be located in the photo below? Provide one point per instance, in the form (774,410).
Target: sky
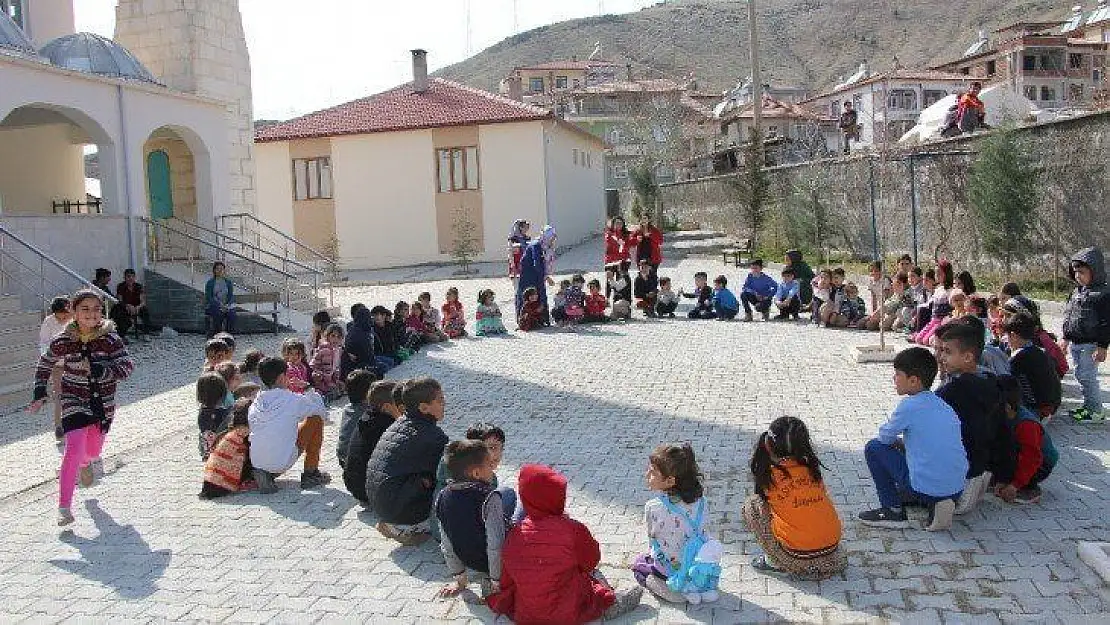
(308,55)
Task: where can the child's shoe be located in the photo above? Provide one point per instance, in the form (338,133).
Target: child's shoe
(86,477)
(1086,415)
(658,587)
(747,317)
(314,479)
(885,518)
(65,517)
(693,598)
(973,493)
(627,600)
(766,315)
(1028,495)
(266,483)
(97,466)
(940,515)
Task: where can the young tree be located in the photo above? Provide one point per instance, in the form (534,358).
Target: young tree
(466,245)
(753,186)
(1003,190)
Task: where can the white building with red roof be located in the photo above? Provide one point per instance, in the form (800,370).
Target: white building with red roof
(390,178)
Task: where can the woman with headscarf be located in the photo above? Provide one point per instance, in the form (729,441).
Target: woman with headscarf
(518,240)
(648,240)
(536,266)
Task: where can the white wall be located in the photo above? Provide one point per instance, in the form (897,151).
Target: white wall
(68,238)
(275,185)
(576,194)
(512,181)
(38,165)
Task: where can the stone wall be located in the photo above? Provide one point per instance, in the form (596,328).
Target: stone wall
(198,46)
(826,205)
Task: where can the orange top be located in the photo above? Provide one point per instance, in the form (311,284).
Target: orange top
(968,100)
(802,515)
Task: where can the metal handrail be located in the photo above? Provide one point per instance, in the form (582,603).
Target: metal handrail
(44,260)
(159,224)
(297,243)
(247,245)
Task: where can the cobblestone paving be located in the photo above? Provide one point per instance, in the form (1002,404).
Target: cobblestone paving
(591,403)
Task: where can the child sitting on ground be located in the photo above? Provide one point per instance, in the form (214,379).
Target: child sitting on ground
(326,359)
(216,351)
(353,412)
(405,338)
(548,561)
(596,303)
(382,407)
(787,298)
(822,289)
(897,309)
(1035,455)
(918,455)
(494,438)
(1019,304)
(297,372)
(418,322)
(831,307)
(790,514)
(880,288)
(666,302)
(401,473)
(474,516)
(684,564)
(1032,367)
(619,283)
(725,306)
(559,304)
(646,289)
(487,317)
(454,320)
(531,313)
(575,305)
(758,291)
(228,468)
(214,410)
(249,367)
(284,425)
(851,311)
(385,350)
(703,293)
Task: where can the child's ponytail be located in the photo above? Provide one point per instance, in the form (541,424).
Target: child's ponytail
(678,461)
(787,437)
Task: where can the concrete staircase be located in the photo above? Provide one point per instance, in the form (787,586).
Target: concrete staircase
(173,302)
(19,352)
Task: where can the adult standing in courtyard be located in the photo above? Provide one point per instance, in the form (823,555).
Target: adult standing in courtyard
(649,243)
(219,297)
(518,240)
(618,243)
(535,269)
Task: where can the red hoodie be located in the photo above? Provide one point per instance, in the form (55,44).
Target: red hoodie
(547,559)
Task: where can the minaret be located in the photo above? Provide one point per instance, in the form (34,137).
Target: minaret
(198,46)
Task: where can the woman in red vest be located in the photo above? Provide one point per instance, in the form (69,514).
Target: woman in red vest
(649,243)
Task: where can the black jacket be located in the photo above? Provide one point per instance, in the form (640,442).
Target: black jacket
(364,439)
(384,343)
(1087,313)
(978,403)
(1036,373)
(358,345)
(643,285)
(401,474)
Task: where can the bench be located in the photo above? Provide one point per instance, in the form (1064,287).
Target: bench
(738,254)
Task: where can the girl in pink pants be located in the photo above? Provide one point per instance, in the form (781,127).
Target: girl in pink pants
(93,360)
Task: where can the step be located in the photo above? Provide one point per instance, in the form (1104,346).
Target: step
(19,355)
(17,372)
(10,303)
(15,396)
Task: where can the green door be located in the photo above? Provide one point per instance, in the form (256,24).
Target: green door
(158,185)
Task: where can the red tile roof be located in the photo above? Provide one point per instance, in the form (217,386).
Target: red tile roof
(583,65)
(923,75)
(445,103)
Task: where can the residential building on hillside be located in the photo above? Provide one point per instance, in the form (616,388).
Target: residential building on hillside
(403,177)
(543,84)
(813,133)
(1056,65)
(888,103)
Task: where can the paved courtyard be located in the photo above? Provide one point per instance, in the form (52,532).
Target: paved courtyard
(592,404)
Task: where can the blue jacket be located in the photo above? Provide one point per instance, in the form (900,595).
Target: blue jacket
(723,298)
(763,286)
(210,292)
(787,290)
(935,452)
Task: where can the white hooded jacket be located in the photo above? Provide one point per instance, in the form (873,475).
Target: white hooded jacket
(273,419)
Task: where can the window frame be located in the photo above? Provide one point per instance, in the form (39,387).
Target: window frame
(458,180)
(619,171)
(532,82)
(17,10)
(316,175)
(1050,91)
(561,82)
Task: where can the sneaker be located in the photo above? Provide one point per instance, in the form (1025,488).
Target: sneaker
(266,483)
(766,315)
(1086,415)
(747,317)
(1029,495)
(314,478)
(781,317)
(86,477)
(973,493)
(940,516)
(884,517)
(627,600)
(658,587)
(408,539)
(65,517)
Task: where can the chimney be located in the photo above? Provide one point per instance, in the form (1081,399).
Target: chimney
(515,88)
(628,69)
(419,71)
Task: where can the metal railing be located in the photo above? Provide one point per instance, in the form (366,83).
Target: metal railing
(264,236)
(37,274)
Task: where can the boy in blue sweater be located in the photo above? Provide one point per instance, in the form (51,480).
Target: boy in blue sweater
(725,305)
(759,288)
(927,464)
(788,297)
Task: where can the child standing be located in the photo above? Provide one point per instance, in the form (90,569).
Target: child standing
(646,288)
(212,417)
(487,317)
(93,360)
(790,512)
(725,306)
(1087,329)
(1036,456)
(54,324)
(326,359)
(918,455)
(454,321)
(667,301)
(320,322)
(596,303)
(703,307)
(681,542)
(531,313)
(822,286)
(518,240)
(292,351)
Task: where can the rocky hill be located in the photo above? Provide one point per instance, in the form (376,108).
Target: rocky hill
(803,42)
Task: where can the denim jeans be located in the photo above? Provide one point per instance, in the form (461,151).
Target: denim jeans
(891,475)
(1086,373)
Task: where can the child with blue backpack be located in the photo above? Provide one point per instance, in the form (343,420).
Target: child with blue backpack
(684,563)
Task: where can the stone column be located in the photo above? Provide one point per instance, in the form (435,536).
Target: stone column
(198,46)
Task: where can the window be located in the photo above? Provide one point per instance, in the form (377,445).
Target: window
(457,169)
(1096,76)
(1028,62)
(615,136)
(577,83)
(772,131)
(312,178)
(932,96)
(1048,94)
(620,172)
(1030,92)
(903,99)
(560,82)
(992,68)
(535,85)
(1075,61)
(14,10)
(834,108)
(1075,93)
(965,71)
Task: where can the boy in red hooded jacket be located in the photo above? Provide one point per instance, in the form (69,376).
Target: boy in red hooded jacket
(548,561)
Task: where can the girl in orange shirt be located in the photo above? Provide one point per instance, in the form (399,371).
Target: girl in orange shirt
(790,512)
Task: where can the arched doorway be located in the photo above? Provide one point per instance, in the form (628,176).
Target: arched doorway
(159,184)
(171,183)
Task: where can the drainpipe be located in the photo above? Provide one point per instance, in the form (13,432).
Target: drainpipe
(131,252)
(546,175)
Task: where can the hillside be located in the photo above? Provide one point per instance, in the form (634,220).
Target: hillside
(803,42)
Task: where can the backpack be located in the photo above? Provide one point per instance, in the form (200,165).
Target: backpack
(700,567)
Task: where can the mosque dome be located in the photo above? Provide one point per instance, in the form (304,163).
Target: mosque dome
(13,40)
(93,54)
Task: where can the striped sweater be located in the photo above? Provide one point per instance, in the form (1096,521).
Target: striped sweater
(109,364)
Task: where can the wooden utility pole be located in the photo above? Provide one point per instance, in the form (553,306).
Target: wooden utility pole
(757,79)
